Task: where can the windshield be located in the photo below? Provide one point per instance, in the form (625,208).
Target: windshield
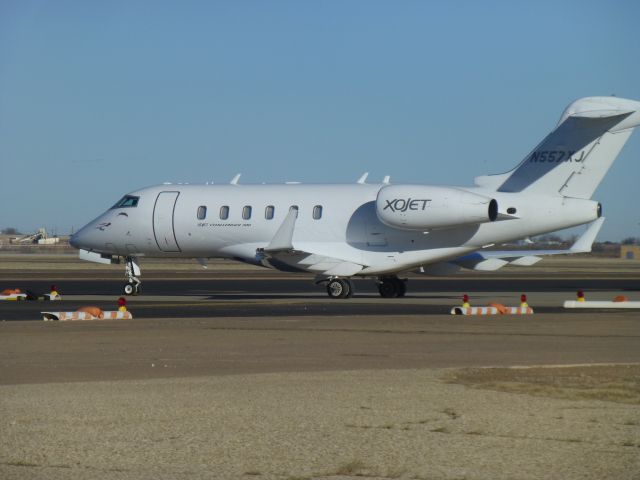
(128,201)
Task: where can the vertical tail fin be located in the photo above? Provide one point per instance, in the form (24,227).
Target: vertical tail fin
(574,158)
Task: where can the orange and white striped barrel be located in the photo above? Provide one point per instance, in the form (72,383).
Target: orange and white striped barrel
(518,311)
(71,316)
(474,311)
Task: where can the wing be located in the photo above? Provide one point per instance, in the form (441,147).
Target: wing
(281,254)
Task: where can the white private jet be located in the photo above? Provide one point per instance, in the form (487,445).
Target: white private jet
(376,230)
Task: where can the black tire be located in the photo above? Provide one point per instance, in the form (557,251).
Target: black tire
(129,289)
(351,290)
(388,288)
(338,288)
(401,287)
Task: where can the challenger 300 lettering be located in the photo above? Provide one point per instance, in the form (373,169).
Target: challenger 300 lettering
(376,230)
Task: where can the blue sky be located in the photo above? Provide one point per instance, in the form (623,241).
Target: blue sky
(100,98)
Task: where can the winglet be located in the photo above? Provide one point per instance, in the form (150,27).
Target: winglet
(585,242)
(235,179)
(283,238)
(363,178)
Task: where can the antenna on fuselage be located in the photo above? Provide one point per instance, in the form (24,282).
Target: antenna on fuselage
(363,178)
(234,180)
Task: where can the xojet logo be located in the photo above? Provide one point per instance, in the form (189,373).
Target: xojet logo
(404,204)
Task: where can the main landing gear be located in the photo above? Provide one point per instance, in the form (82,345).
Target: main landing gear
(389,287)
(132,272)
(340,288)
(392,287)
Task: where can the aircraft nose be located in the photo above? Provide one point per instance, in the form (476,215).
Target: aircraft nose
(75,240)
(83,238)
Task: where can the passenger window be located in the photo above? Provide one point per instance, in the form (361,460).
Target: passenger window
(224,212)
(202,212)
(246,212)
(317,212)
(128,201)
(293,207)
(269,212)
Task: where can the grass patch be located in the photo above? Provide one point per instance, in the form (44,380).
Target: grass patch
(21,463)
(440,430)
(451,413)
(395,472)
(386,426)
(354,467)
(609,383)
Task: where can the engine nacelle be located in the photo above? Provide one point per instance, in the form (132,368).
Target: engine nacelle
(421,207)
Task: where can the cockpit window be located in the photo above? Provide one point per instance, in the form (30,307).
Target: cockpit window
(128,201)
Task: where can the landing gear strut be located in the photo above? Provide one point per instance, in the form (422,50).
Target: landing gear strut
(132,271)
(391,287)
(339,288)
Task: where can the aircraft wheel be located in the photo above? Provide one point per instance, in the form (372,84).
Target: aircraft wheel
(339,288)
(388,287)
(401,286)
(130,289)
(350,287)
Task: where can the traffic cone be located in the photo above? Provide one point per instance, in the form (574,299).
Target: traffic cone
(465,301)
(122,304)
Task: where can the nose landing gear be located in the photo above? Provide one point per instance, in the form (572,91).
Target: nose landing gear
(132,272)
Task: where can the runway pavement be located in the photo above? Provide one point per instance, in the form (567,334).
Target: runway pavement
(291,325)
(240,296)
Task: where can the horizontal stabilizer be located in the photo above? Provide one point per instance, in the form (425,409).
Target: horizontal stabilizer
(494,259)
(526,261)
(479,263)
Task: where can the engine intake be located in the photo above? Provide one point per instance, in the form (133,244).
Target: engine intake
(421,207)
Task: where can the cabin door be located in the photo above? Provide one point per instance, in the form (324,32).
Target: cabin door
(163,229)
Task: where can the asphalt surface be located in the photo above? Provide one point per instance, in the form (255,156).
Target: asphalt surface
(287,286)
(287,296)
